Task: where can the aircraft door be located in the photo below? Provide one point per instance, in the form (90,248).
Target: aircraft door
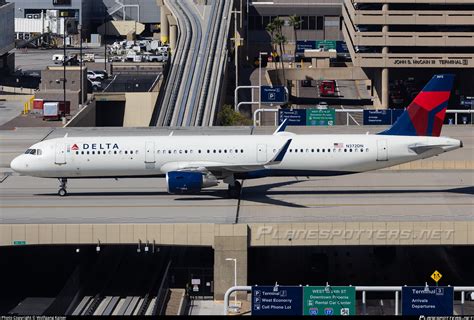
(149,152)
(382,150)
(262,153)
(60,157)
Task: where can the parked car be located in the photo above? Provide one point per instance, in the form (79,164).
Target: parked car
(101,72)
(95,85)
(160,57)
(323,105)
(92,75)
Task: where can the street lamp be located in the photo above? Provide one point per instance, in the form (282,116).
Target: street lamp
(235,276)
(260,54)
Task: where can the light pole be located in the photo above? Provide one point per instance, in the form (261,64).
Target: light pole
(236,47)
(260,54)
(64,63)
(80,72)
(235,276)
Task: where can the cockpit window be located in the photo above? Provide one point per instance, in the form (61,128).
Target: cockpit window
(33,151)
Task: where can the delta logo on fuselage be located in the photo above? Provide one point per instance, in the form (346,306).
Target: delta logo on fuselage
(96,146)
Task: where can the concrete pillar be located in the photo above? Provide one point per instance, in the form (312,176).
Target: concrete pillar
(385,86)
(165,27)
(173,37)
(230,241)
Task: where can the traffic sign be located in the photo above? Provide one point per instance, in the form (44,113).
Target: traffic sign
(436,276)
(296,117)
(273,95)
(329,300)
(427,301)
(377,117)
(19,243)
(320,117)
(277,300)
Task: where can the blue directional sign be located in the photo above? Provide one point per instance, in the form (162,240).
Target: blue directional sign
(427,301)
(377,117)
(296,117)
(303,45)
(277,300)
(276,95)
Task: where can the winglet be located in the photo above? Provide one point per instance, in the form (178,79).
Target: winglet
(282,127)
(281,154)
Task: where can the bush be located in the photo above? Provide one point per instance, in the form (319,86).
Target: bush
(228,117)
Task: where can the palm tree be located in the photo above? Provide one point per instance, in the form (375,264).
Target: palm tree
(295,22)
(279,40)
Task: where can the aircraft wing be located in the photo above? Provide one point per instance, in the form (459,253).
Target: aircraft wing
(219,167)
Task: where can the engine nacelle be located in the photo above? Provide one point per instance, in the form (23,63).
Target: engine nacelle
(181,182)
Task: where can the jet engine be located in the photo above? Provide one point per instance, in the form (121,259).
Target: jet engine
(181,182)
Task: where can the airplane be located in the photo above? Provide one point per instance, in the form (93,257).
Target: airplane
(193,163)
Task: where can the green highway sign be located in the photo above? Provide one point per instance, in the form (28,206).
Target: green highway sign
(19,243)
(320,117)
(327,44)
(328,301)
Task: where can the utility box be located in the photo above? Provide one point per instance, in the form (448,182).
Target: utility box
(56,110)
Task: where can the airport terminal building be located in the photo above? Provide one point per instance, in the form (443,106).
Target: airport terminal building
(397,40)
(399,45)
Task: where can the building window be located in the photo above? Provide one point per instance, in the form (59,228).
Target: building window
(312,23)
(320,23)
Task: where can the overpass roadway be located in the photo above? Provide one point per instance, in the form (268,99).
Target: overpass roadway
(197,63)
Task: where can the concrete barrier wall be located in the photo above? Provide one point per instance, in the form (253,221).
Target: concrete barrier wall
(234,237)
(139,108)
(86,117)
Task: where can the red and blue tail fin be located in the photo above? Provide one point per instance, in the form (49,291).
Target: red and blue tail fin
(425,115)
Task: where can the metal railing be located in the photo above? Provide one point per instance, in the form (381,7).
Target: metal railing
(364,289)
(257,115)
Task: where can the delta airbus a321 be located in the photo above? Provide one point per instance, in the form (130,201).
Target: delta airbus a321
(192,163)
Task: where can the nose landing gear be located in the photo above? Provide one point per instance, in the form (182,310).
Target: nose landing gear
(62,192)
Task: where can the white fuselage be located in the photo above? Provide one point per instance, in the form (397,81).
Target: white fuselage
(141,156)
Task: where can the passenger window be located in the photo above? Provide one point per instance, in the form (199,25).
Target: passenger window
(115,152)
(82,152)
(312,150)
(93,152)
(329,150)
(345,150)
(214,151)
(38,152)
(220,151)
(350,150)
(242,150)
(361,150)
(208,151)
(190,151)
(323,150)
(77,152)
(367,150)
(301,150)
(317,150)
(131,152)
(199,151)
(296,150)
(225,150)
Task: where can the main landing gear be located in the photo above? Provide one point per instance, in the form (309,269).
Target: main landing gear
(62,192)
(234,190)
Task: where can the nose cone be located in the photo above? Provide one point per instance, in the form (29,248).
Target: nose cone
(17,164)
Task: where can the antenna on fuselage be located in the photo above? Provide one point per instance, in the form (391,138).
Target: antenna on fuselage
(171,133)
(65,136)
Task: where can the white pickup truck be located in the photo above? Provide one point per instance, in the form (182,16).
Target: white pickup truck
(159,57)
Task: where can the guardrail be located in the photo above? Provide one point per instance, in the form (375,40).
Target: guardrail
(257,115)
(364,289)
